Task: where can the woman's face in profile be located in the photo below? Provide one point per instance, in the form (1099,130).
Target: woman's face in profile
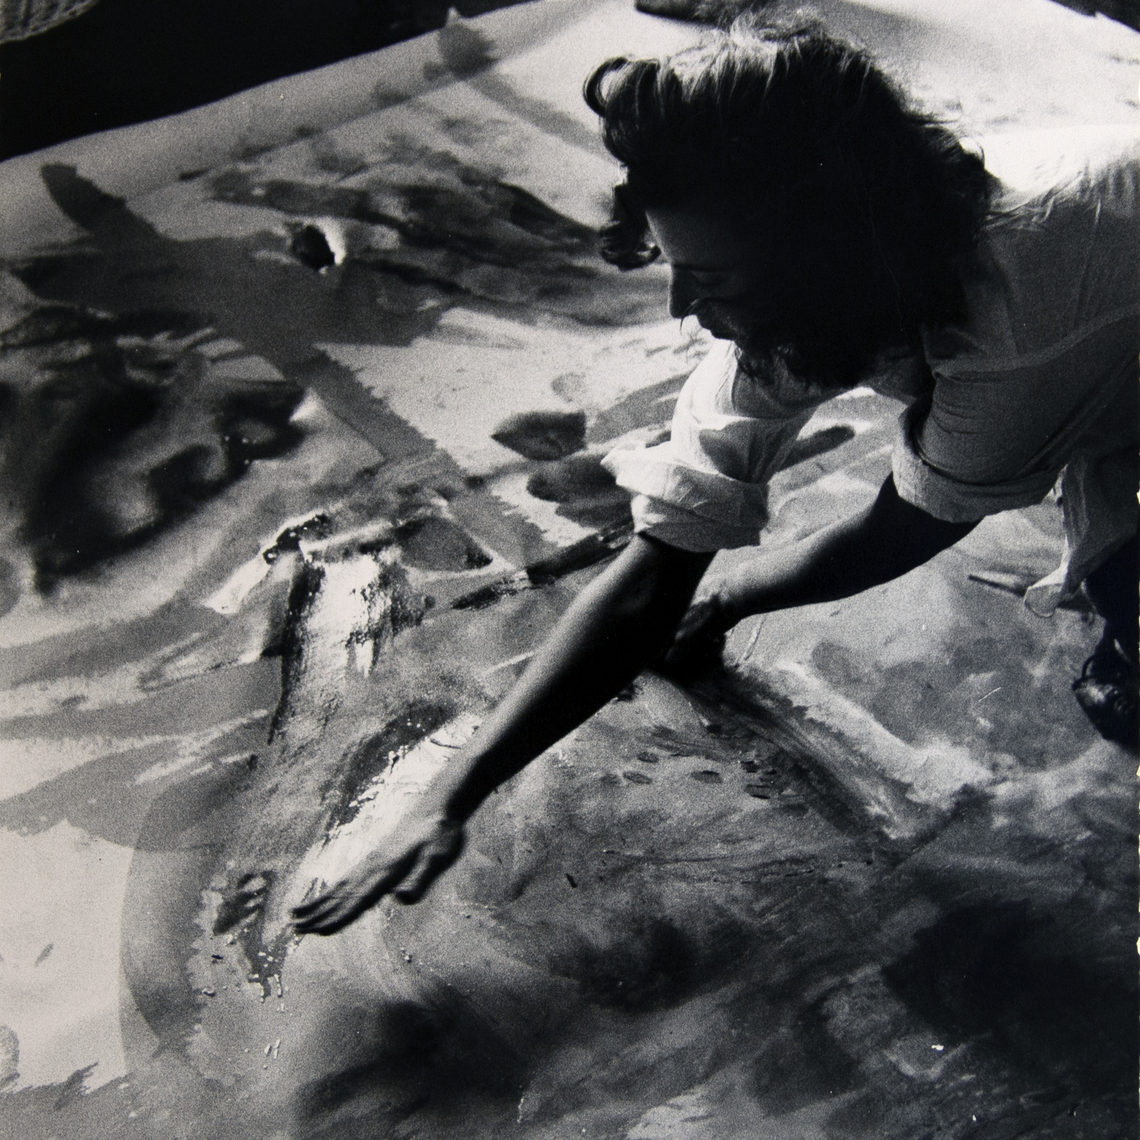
(714,266)
(721,274)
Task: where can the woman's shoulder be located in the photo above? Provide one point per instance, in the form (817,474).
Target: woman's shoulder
(1038,170)
(1057,260)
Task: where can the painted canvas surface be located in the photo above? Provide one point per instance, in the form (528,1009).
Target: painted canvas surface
(305,396)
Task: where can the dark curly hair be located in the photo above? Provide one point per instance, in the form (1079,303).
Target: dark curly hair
(863,204)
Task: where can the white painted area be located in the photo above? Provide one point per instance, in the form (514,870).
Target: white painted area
(384,803)
(237,586)
(189,750)
(685,1117)
(932,774)
(121,686)
(229,597)
(348,621)
(63,1005)
(27,763)
(474,371)
(1043,798)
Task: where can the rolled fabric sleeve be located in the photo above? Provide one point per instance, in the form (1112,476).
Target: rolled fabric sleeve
(948,496)
(705,489)
(995,435)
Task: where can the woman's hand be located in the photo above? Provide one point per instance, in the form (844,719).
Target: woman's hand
(411,859)
(615,627)
(699,640)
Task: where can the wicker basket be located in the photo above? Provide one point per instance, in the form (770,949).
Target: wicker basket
(22,18)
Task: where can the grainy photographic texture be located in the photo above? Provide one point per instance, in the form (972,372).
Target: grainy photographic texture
(304,398)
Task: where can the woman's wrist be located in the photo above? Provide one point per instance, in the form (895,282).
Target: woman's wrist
(452,797)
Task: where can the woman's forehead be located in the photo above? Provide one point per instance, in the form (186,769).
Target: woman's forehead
(702,239)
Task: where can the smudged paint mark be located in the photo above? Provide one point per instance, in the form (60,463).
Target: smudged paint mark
(73,1087)
(244,902)
(802,1063)
(9,1056)
(10,588)
(540,259)
(651,964)
(435,232)
(980,972)
(402,1061)
(543,435)
(465,54)
(707,776)
(649,407)
(241,917)
(575,477)
(330,159)
(465,51)
(58,324)
(82,201)
(431,542)
(123,432)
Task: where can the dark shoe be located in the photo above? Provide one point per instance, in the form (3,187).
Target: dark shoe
(1108,689)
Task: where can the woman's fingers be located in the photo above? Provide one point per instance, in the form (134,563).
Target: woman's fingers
(332,911)
(407,878)
(346,900)
(318,915)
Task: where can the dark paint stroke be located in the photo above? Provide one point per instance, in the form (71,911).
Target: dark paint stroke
(543,435)
(407,1062)
(205,434)
(992,971)
(111,448)
(378,753)
(463,235)
(581,555)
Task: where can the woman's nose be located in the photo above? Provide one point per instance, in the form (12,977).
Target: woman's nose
(683,294)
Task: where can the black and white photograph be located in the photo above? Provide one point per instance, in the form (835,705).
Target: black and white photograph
(569,569)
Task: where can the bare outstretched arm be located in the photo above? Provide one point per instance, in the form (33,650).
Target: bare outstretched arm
(621,622)
(881,543)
